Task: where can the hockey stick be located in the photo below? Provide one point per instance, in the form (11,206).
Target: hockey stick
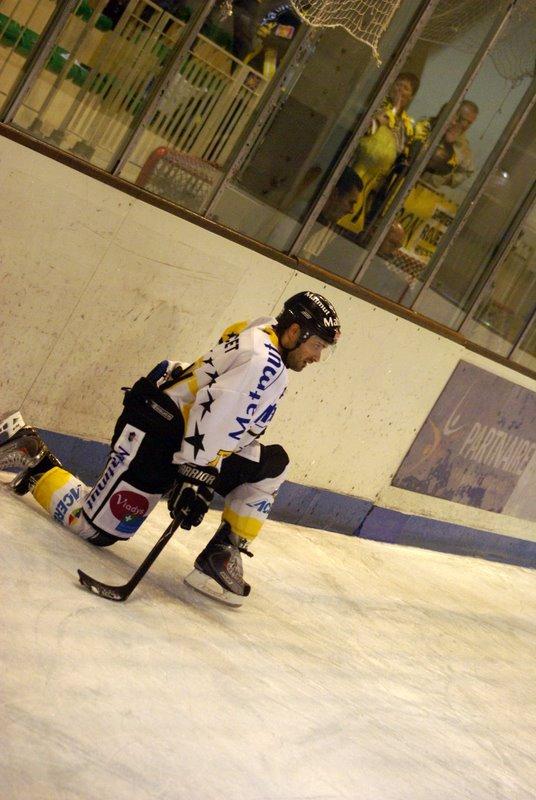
(120,593)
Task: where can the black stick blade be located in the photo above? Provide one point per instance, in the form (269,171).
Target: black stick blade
(122,592)
(118,593)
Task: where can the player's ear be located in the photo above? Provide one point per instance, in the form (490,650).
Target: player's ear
(293,333)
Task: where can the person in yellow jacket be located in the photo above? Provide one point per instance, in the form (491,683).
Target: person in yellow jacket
(387,141)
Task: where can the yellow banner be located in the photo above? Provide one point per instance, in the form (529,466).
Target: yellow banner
(425,216)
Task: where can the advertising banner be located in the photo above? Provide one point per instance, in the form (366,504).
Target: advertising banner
(425,216)
(477,446)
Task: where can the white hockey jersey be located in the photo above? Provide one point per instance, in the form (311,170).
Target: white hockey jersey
(228,396)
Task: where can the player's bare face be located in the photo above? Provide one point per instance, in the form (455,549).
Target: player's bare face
(309,352)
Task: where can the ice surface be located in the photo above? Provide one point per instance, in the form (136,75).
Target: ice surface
(356,670)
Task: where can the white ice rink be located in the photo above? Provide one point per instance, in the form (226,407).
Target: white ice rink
(356,670)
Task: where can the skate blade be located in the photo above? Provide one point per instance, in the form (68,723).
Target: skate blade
(208,586)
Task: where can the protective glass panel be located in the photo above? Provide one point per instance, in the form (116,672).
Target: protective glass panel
(403,121)
(430,210)
(211,99)
(509,299)
(110,57)
(525,353)
(464,270)
(295,151)
(21,25)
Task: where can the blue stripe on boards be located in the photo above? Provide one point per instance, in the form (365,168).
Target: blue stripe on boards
(327,510)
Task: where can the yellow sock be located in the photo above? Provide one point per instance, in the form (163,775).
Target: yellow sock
(245,527)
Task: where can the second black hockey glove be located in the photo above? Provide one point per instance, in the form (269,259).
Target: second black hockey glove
(192,493)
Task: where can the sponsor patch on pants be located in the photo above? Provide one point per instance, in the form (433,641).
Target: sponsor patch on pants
(123,511)
(130,508)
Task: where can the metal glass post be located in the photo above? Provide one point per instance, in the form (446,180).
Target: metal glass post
(480,184)
(38,58)
(517,344)
(419,23)
(501,254)
(436,135)
(294,61)
(181,48)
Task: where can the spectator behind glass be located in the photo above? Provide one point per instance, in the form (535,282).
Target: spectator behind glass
(452,163)
(386,144)
(392,242)
(344,196)
(262,32)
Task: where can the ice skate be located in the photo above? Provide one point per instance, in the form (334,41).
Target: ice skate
(218,568)
(22,449)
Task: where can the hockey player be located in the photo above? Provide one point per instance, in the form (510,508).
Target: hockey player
(186,432)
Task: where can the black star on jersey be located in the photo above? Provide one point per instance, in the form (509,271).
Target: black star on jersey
(213,376)
(208,361)
(206,405)
(196,441)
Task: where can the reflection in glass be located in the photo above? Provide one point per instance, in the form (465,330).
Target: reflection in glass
(21,25)
(432,205)
(345,195)
(461,275)
(392,272)
(452,162)
(400,126)
(525,353)
(288,164)
(383,153)
(111,56)
(510,296)
(210,100)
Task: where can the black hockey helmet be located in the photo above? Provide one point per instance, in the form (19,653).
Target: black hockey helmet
(314,314)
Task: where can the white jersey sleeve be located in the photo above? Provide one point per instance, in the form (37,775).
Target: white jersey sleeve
(228,397)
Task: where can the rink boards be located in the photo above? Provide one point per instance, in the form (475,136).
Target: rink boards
(353,516)
(102,286)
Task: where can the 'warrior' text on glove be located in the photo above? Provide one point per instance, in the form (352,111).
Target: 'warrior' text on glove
(192,494)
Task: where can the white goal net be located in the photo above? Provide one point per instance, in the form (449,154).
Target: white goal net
(452,22)
(456,21)
(366,20)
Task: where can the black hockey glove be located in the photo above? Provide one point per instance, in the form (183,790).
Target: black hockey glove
(192,494)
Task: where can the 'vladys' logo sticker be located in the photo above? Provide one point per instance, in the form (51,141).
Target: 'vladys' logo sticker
(130,508)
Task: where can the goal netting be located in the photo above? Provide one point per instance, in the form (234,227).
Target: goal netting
(366,20)
(460,24)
